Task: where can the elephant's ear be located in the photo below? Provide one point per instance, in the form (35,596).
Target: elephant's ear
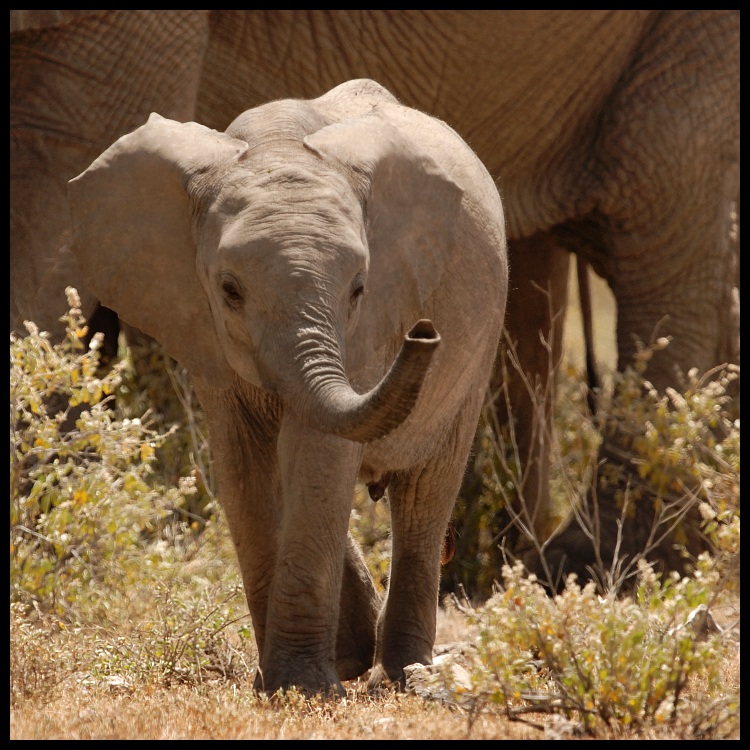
(133,237)
(412,210)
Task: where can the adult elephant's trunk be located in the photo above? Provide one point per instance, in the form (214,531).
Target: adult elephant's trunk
(326,401)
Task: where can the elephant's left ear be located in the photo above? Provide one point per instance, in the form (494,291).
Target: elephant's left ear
(412,212)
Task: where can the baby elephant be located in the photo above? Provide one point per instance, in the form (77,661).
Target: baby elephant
(333,275)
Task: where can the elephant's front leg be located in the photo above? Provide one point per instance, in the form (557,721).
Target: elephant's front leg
(318,474)
(248,478)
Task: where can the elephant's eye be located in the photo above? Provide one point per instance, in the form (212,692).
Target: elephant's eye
(230,290)
(358,289)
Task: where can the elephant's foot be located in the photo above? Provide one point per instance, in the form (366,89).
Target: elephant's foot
(609,555)
(379,680)
(388,671)
(355,643)
(391,679)
(351,667)
(572,552)
(310,679)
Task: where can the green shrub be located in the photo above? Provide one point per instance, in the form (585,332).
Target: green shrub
(80,494)
(684,447)
(614,662)
(99,546)
(668,473)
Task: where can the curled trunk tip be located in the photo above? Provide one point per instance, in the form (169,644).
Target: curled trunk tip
(424,330)
(384,408)
(337,409)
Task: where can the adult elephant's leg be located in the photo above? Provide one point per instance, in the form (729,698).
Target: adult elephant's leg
(421,501)
(318,474)
(74,89)
(671,260)
(676,269)
(534,326)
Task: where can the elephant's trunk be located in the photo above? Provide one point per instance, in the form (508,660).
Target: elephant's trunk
(328,403)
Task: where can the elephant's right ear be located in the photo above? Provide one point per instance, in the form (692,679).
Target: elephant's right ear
(133,236)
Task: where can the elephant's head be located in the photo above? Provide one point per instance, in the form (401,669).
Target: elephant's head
(288,250)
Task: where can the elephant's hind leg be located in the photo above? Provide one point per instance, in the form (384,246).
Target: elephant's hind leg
(358,613)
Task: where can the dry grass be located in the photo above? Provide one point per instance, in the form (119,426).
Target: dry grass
(225,713)
(80,708)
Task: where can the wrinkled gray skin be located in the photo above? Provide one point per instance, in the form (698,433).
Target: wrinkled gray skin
(333,275)
(614,134)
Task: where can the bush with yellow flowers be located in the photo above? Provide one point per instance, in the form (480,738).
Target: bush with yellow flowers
(606,663)
(99,552)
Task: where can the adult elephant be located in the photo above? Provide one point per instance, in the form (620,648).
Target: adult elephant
(333,275)
(613,134)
